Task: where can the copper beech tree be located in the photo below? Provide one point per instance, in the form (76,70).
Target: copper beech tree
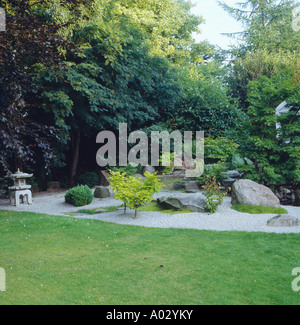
(30,38)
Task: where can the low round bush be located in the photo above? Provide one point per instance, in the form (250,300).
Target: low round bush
(79,196)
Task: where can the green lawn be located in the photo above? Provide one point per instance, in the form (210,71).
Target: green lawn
(61,260)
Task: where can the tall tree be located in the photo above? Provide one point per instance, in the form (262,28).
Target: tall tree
(274,150)
(268,45)
(267,23)
(127,47)
(28,40)
(117,81)
(166,25)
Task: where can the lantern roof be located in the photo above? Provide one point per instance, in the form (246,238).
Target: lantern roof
(20,174)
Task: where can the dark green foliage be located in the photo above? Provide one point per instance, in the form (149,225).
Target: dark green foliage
(217,171)
(88,178)
(204,104)
(28,40)
(268,42)
(110,85)
(79,196)
(219,149)
(91,65)
(179,185)
(130,170)
(116,81)
(274,152)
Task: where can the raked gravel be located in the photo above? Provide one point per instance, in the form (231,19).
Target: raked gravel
(225,219)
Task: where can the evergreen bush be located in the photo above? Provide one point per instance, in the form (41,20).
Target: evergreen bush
(79,196)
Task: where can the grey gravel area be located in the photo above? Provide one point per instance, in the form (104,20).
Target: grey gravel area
(225,219)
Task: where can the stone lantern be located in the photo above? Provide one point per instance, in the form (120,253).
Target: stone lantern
(20,192)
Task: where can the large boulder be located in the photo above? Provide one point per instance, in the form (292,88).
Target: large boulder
(248,192)
(284,221)
(149,169)
(102,192)
(195,202)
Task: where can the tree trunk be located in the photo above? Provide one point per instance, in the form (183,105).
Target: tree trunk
(74,156)
(135,213)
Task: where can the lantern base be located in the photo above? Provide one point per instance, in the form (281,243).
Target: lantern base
(21,196)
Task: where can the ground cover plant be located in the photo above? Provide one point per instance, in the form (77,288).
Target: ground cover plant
(258,209)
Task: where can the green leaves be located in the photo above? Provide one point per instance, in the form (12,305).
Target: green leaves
(213,194)
(268,24)
(220,149)
(134,191)
(273,141)
(79,196)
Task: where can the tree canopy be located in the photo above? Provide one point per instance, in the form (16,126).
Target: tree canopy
(70,69)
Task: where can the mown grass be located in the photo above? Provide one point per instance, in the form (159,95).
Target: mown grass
(258,209)
(61,260)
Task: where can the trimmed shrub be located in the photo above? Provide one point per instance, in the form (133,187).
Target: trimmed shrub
(79,196)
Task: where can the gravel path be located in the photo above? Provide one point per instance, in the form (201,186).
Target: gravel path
(225,219)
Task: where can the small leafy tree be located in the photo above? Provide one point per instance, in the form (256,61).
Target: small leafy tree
(117,183)
(134,191)
(152,183)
